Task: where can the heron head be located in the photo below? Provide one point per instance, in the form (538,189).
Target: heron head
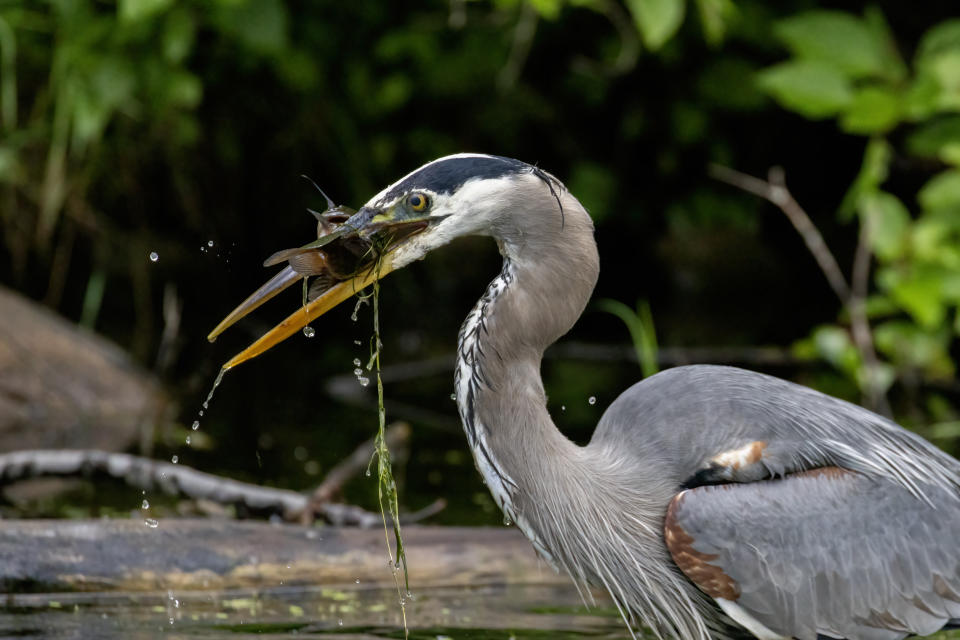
(458,195)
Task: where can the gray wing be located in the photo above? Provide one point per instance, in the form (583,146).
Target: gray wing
(684,419)
(827,552)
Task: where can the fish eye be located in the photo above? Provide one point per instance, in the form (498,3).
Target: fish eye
(418,201)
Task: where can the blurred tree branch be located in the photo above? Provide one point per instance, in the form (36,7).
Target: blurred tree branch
(774,189)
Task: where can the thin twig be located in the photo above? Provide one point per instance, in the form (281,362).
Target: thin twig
(398,440)
(523,34)
(775,191)
(860,324)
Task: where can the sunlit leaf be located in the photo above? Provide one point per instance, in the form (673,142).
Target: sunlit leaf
(715,17)
(657,20)
(943,37)
(889,221)
(873,110)
(133,10)
(941,191)
(549,9)
(919,294)
(812,89)
(834,38)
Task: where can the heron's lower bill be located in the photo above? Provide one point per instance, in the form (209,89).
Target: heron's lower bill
(306,314)
(365,241)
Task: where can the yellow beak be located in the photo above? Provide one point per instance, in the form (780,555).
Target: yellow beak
(303,316)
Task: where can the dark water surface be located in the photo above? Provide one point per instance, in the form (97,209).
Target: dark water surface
(519,612)
(454,613)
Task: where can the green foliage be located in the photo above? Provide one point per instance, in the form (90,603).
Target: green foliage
(810,87)
(657,20)
(642,332)
(845,66)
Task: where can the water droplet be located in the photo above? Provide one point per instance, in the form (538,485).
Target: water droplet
(506,521)
(309,331)
(356,362)
(171,620)
(154,256)
(367,473)
(363,381)
(563,407)
(152,523)
(453,396)
(187,440)
(206,404)
(358,343)
(358,372)
(201,413)
(340,622)
(209,243)
(145,504)
(592,400)
(175,459)
(357,581)
(195,425)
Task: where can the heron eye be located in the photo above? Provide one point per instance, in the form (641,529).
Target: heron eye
(417,201)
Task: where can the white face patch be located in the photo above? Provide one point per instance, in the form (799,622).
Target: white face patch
(471,210)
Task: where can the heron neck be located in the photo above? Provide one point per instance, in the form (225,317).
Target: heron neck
(548,275)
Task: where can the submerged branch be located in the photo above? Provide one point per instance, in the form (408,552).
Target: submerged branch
(181,480)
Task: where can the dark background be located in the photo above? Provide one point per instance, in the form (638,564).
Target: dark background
(192,122)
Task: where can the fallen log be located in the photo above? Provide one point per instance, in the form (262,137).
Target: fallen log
(101,555)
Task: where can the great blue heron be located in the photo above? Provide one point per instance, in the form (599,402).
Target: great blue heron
(711,502)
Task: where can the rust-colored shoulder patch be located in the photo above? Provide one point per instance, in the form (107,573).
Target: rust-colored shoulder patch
(746,455)
(710,578)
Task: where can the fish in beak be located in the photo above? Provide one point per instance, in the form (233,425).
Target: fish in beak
(352,251)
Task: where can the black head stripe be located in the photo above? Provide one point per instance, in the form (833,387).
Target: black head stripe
(448,175)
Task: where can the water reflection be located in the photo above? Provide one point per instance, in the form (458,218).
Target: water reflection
(356,613)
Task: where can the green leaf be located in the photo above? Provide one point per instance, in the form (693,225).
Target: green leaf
(936,139)
(889,223)
(178,36)
(873,173)
(259,25)
(941,191)
(183,89)
(815,90)
(873,110)
(715,17)
(834,345)
(134,10)
(834,38)
(548,9)
(909,346)
(939,39)
(657,20)
(919,294)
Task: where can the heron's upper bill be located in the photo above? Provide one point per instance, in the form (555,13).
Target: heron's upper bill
(348,256)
